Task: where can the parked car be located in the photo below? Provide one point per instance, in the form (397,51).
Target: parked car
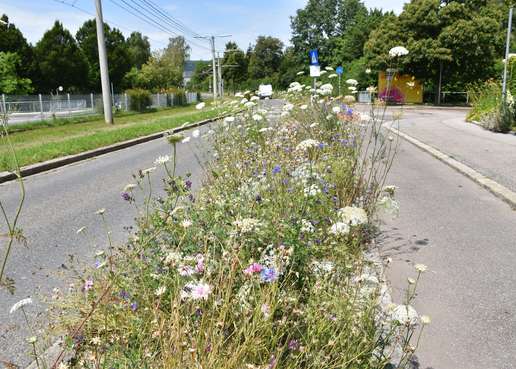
(265,91)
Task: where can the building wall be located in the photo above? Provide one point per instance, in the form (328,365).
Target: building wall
(404,89)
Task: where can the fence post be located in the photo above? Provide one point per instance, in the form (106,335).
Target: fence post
(92,102)
(69,104)
(41,106)
(159,105)
(126,102)
(3,104)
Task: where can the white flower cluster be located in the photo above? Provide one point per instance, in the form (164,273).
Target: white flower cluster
(339,229)
(398,51)
(295,87)
(405,315)
(352,215)
(306,226)
(307,144)
(246,225)
(305,173)
(312,190)
(161,160)
(325,90)
(352,82)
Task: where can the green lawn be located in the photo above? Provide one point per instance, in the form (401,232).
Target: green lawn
(52,140)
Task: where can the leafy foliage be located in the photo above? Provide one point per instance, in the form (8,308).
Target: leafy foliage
(10,83)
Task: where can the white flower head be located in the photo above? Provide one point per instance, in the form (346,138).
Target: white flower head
(333,75)
(405,314)
(300,73)
(303,107)
(420,268)
(161,160)
(339,229)
(186,140)
(353,215)
(255,98)
(336,109)
(329,69)
(20,304)
(249,104)
(186,223)
(307,144)
(129,187)
(257,117)
(160,291)
(200,291)
(398,51)
(368,71)
(200,106)
(244,101)
(425,319)
(229,119)
(352,82)
(148,171)
(196,133)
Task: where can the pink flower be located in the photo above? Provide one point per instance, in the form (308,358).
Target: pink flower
(88,284)
(253,268)
(200,291)
(199,268)
(185,270)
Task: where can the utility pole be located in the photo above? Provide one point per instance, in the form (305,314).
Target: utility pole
(507,49)
(219,72)
(104,71)
(216,88)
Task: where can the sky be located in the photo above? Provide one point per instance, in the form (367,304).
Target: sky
(244,20)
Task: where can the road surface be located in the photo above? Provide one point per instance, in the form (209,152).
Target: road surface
(465,235)
(60,202)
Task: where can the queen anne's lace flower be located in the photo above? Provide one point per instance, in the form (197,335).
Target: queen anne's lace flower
(405,314)
(307,144)
(200,106)
(353,215)
(352,82)
(398,51)
(161,160)
(339,229)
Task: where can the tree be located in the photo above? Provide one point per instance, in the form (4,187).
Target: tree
(266,57)
(139,49)
(453,38)
(119,59)
(60,61)
(12,40)
(201,79)
(10,82)
(164,69)
(235,65)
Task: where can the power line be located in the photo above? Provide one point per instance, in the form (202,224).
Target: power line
(172,19)
(149,20)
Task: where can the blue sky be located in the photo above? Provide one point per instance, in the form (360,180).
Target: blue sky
(243,19)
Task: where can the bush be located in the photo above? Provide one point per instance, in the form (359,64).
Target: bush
(488,107)
(139,99)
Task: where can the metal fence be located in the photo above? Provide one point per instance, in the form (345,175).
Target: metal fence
(39,107)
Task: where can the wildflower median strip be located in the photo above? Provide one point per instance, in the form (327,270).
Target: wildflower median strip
(69,159)
(264,267)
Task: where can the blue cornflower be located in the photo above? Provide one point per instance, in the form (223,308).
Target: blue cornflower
(124,295)
(126,196)
(268,275)
(349,111)
(276,169)
(134,306)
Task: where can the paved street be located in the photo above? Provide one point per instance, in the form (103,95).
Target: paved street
(60,202)
(465,235)
(492,154)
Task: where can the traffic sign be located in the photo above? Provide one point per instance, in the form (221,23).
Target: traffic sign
(315,71)
(339,71)
(314,57)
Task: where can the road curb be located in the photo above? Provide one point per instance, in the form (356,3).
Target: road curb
(69,159)
(494,187)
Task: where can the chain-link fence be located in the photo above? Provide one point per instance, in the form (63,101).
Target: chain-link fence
(27,108)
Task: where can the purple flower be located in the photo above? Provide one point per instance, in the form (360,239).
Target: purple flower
(276,169)
(126,196)
(268,275)
(349,111)
(321,145)
(134,306)
(272,362)
(293,345)
(188,184)
(124,295)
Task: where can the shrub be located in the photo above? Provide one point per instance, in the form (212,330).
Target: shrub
(488,107)
(139,99)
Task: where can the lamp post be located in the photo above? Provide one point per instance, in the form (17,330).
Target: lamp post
(507,49)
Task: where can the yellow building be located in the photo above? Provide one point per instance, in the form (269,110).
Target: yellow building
(403,89)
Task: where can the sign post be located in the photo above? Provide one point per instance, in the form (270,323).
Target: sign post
(339,70)
(315,69)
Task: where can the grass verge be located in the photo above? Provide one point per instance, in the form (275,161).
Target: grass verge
(35,143)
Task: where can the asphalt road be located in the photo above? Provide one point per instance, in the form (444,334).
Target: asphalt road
(466,236)
(492,154)
(58,204)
